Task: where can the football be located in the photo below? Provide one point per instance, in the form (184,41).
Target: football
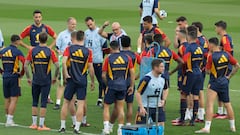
(163,13)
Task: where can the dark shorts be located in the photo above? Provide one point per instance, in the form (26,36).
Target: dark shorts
(74,88)
(11,87)
(111,96)
(44,91)
(130,98)
(203,79)
(141,27)
(221,86)
(152,114)
(191,83)
(179,82)
(98,73)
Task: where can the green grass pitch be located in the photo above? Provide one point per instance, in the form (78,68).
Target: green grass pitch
(15,15)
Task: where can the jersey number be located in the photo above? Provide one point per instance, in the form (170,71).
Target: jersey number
(157,91)
(90,43)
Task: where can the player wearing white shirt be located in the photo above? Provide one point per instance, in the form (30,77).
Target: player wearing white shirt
(148,8)
(96,42)
(63,40)
(151,84)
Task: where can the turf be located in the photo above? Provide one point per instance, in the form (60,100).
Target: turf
(15,15)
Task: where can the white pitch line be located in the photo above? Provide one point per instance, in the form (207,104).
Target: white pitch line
(52,130)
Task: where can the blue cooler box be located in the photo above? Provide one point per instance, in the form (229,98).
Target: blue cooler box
(142,130)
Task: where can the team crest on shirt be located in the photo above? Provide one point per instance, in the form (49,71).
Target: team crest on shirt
(119,60)
(33,30)
(198,51)
(8,54)
(163,54)
(41,55)
(223,59)
(78,53)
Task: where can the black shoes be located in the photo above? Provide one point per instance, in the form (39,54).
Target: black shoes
(56,107)
(62,130)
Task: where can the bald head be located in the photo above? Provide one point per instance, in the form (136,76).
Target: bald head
(72,23)
(116,24)
(116,28)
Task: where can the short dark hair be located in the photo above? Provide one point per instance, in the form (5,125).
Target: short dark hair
(148,38)
(15,38)
(43,37)
(125,41)
(181,19)
(214,40)
(147,19)
(158,38)
(192,31)
(37,11)
(156,62)
(80,35)
(89,18)
(199,25)
(221,24)
(114,45)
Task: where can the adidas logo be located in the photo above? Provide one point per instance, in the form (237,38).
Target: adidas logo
(198,51)
(78,53)
(8,54)
(223,59)
(163,54)
(119,60)
(41,55)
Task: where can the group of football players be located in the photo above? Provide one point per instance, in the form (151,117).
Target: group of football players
(82,52)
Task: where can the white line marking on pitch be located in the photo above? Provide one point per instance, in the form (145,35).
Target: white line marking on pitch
(52,130)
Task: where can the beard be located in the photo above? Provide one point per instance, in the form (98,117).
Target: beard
(37,22)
